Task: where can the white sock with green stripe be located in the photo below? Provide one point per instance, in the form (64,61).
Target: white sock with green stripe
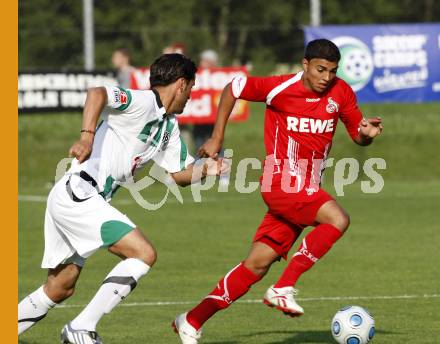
(116,287)
(33,308)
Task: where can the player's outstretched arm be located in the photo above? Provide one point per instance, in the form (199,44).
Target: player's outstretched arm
(199,170)
(95,102)
(369,128)
(213,145)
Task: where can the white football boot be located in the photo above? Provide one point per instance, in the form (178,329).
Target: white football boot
(187,333)
(283,299)
(71,336)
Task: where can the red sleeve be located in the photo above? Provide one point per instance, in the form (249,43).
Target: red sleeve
(254,88)
(350,114)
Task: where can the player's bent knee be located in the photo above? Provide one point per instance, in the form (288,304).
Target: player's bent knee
(259,268)
(341,222)
(144,252)
(148,255)
(135,245)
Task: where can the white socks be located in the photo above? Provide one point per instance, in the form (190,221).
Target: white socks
(33,308)
(116,287)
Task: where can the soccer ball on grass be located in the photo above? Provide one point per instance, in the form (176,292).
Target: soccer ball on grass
(352,325)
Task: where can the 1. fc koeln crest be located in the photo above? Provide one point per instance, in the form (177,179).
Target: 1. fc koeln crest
(332,106)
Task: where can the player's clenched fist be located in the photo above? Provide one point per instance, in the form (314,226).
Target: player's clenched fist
(81,150)
(210,148)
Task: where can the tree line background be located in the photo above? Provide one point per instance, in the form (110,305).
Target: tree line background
(259,31)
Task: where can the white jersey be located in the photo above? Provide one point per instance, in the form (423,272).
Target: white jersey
(134,130)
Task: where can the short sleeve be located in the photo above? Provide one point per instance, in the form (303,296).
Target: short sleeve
(254,89)
(118,98)
(175,157)
(350,113)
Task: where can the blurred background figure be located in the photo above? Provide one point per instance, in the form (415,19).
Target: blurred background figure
(208,59)
(202,132)
(121,61)
(175,48)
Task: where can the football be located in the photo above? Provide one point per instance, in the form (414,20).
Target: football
(352,325)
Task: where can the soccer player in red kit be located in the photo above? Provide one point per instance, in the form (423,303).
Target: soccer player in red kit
(300,120)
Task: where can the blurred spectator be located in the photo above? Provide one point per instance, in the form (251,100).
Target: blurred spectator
(202,132)
(175,48)
(121,61)
(208,59)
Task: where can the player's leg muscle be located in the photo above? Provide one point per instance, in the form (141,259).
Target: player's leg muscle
(135,245)
(331,222)
(61,281)
(260,258)
(332,213)
(59,286)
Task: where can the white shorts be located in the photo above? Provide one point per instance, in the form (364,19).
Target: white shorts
(73,231)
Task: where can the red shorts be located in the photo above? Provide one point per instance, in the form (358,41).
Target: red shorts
(287,216)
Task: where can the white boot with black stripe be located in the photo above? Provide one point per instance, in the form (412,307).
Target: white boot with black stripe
(71,336)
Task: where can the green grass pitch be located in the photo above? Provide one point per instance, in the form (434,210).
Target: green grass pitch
(388,262)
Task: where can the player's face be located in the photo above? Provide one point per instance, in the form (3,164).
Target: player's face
(319,74)
(183,94)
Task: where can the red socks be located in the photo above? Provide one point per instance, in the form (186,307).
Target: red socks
(238,281)
(235,284)
(314,246)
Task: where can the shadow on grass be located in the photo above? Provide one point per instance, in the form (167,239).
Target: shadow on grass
(297,337)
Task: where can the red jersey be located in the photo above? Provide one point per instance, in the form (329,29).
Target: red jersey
(299,123)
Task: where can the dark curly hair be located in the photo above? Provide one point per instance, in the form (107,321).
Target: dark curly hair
(167,68)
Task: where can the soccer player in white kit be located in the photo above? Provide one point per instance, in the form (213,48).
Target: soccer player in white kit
(138,126)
